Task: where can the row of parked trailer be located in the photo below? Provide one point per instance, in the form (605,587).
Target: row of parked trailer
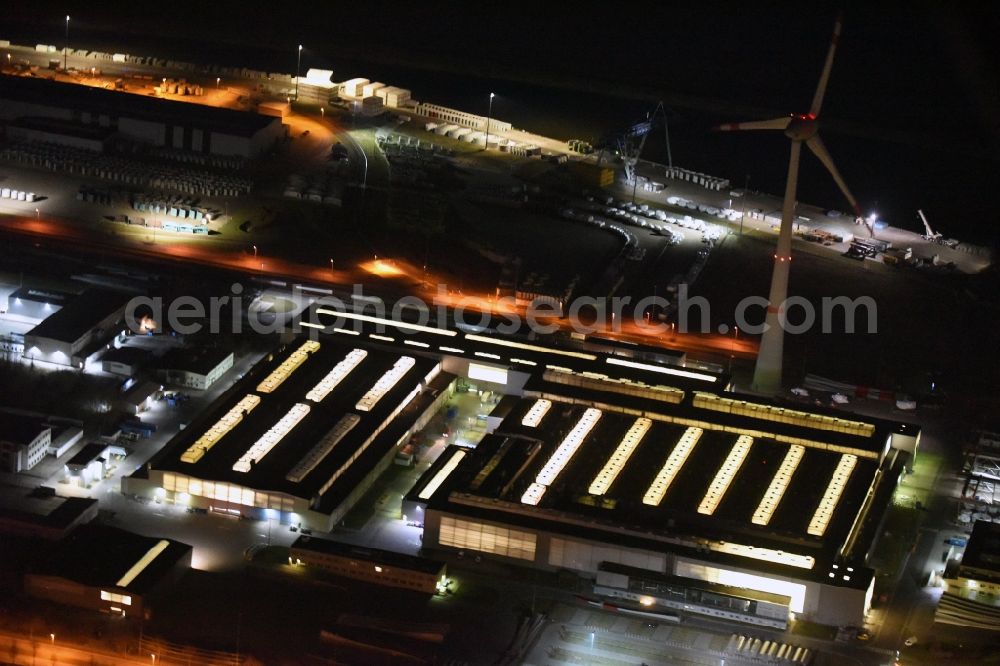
(767,651)
(174,206)
(17,195)
(59,158)
(644,215)
(703,179)
(479,138)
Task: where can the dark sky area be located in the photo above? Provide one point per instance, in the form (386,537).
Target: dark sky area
(912,114)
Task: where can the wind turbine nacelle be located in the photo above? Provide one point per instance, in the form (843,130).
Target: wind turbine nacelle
(802,127)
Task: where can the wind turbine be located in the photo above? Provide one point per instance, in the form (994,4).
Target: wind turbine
(800,128)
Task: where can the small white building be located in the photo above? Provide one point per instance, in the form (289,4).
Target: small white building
(89,465)
(353,87)
(368,106)
(393,97)
(316,86)
(370,89)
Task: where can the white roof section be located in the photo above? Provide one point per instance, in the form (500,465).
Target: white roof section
(322,78)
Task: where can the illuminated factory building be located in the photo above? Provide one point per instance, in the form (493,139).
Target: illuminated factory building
(644,473)
(677,496)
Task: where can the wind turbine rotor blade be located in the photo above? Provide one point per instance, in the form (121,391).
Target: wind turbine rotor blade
(774,124)
(824,78)
(818,149)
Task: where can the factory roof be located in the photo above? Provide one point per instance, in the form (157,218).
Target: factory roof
(88,454)
(982,552)
(50,296)
(112,558)
(200,361)
(65,127)
(121,104)
(573,460)
(80,315)
(633,366)
(127,355)
(19,429)
(41,507)
(297,423)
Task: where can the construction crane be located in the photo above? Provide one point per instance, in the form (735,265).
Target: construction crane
(629,144)
(934,236)
(930,235)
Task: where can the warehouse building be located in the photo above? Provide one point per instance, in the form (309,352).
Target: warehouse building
(31,306)
(107,569)
(301,437)
(194,368)
(685,485)
(40,513)
(78,330)
(70,113)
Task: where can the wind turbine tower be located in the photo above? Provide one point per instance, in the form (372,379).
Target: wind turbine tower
(799,128)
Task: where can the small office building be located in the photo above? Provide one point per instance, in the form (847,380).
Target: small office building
(24,441)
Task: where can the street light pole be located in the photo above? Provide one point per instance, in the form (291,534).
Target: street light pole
(743,207)
(66,48)
(298,68)
(489,116)
(364,182)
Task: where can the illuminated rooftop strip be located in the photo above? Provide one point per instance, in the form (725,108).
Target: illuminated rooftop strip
(765,554)
(219,429)
(537,411)
(768,503)
(720,484)
(143,562)
(676,459)
(503,342)
(323,447)
(616,463)
(271,438)
(441,475)
(824,512)
(662,369)
(337,375)
(388,322)
(385,383)
(782,414)
(568,447)
(359,451)
(533,495)
(624,386)
(288,366)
